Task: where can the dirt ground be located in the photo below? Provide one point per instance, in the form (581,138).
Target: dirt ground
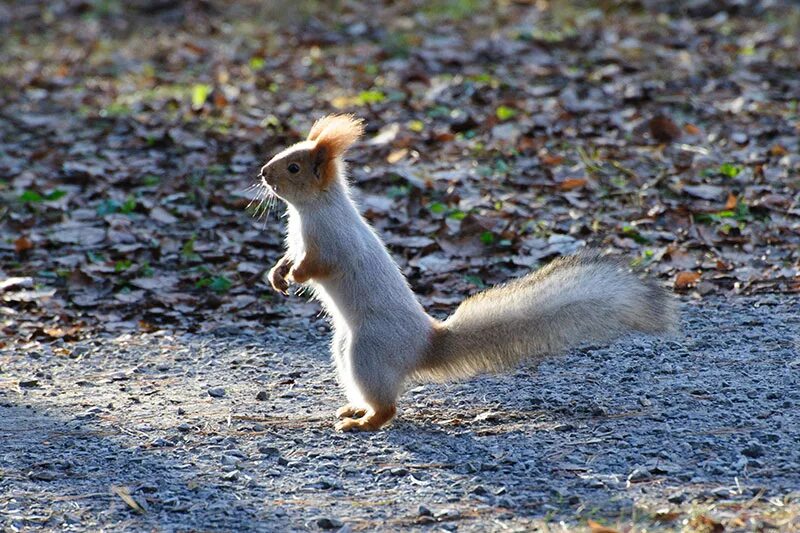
(234,431)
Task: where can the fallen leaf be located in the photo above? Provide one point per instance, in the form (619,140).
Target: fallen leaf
(704,524)
(155,283)
(597,527)
(663,129)
(125,494)
(731,203)
(551,160)
(706,192)
(778,150)
(691,129)
(686,280)
(17,282)
(571,183)
(22,244)
(396,155)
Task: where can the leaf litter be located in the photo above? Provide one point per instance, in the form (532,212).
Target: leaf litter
(497,140)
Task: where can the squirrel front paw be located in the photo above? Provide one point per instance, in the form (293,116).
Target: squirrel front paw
(277,276)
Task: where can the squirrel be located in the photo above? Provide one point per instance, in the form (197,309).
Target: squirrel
(383,337)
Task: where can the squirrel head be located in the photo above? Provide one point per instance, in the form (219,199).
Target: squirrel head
(306,170)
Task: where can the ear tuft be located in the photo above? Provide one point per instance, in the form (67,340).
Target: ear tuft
(336,133)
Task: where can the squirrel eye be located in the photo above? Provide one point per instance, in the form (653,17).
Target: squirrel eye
(294,168)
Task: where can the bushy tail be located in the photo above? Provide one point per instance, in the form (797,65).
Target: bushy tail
(573,300)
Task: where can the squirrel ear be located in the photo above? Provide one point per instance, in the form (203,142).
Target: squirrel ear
(336,133)
(319,161)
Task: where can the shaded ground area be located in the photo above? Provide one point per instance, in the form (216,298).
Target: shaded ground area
(693,432)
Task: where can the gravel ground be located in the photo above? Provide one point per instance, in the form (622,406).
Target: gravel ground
(234,431)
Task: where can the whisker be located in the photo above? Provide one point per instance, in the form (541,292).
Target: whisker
(253,199)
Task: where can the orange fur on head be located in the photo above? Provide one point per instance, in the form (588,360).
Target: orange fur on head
(334,134)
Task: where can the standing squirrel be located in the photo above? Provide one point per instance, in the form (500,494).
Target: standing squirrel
(382,335)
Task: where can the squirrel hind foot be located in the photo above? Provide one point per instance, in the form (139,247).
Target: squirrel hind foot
(373,420)
(351,411)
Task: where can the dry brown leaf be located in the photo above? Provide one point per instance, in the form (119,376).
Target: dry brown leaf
(528,144)
(571,183)
(22,244)
(778,150)
(58,333)
(686,280)
(691,129)
(125,494)
(551,160)
(731,202)
(663,129)
(667,516)
(396,155)
(704,524)
(597,527)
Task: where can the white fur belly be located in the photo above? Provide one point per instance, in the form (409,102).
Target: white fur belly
(329,304)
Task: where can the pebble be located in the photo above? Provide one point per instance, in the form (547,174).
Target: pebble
(638,474)
(326,522)
(230,476)
(216,392)
(676,498)
(447,514)
(753,449)
(262,396)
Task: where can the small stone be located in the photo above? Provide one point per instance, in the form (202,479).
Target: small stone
(326,484)
(424,511)
(678,497)
(262,396)
(43,475)
(29,383)
(638,474)
(753,449)
(216,392)
(399,472)
(721,492)
(233,475)
(184,428)
(739,137)
(181,411)
(447,514)
(161,443)
(488,416)
(480,490)
(268,449)
(326,522)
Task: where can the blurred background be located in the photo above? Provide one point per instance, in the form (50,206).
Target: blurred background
(500,135)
